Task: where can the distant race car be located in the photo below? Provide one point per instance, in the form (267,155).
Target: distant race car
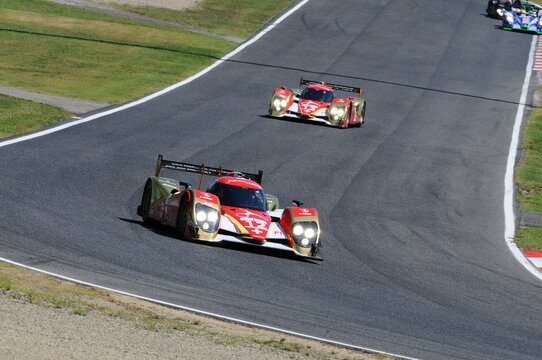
(526,18)
(495,8)
(317,101)
(234,208)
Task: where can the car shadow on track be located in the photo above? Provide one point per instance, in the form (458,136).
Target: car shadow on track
(300,121)
(268,66)
(163,230)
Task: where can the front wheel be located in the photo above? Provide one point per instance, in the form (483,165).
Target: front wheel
(182,218)
(146,202)
(362,117)
(316,250)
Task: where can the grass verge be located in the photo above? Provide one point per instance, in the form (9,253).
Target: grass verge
(20,116)
(55,49)
(45,291)
(237,18)
(61,50)
(529,238)
(529,179)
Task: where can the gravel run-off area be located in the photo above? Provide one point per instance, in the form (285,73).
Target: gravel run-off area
(167,4)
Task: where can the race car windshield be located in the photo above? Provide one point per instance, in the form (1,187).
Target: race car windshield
(237,196)
(317,95)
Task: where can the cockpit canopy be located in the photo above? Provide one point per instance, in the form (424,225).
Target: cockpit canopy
(232,192)
(320,93)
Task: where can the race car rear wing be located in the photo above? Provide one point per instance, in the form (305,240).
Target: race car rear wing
(203,170)
(356,90)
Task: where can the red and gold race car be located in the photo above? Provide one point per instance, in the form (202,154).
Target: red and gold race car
(317,101)
(234,208)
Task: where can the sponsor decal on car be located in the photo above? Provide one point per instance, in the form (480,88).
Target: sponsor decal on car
(303,212)
(206,197)
(255,222)
(241,182)
(308,106)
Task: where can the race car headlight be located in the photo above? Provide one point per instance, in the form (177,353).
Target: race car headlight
(207,218)
(297,229)
(279,103)
(499,12)
(305,233)
(336,112)
(309,233)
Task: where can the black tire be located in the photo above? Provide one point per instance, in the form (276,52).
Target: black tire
(363,114)
(317,250)
(182,219)
(146,202)
(357,125)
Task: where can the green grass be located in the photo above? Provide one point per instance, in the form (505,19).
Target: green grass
(5,284)
(53,300)
(237,18)
(529,169)
(61,50)
(156,324)
(529,179)
(530,238)
(101,58)
(282,345)
(20,116)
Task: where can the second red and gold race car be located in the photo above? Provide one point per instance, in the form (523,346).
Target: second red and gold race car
(317,101)
(234,208)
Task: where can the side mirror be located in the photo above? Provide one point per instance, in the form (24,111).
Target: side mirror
(298,203)
(272,202)
(284,87)
(185,184)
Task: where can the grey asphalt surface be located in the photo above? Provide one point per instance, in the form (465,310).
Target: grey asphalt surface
(411,203)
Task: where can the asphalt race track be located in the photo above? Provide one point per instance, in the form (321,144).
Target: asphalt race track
(411,203)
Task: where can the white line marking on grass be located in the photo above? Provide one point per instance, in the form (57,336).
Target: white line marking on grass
(161,92)
(509,188)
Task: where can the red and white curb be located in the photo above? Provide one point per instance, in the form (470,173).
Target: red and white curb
(535,257)
(538,55)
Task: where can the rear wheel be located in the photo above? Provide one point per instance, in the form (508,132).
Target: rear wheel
(146,202)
